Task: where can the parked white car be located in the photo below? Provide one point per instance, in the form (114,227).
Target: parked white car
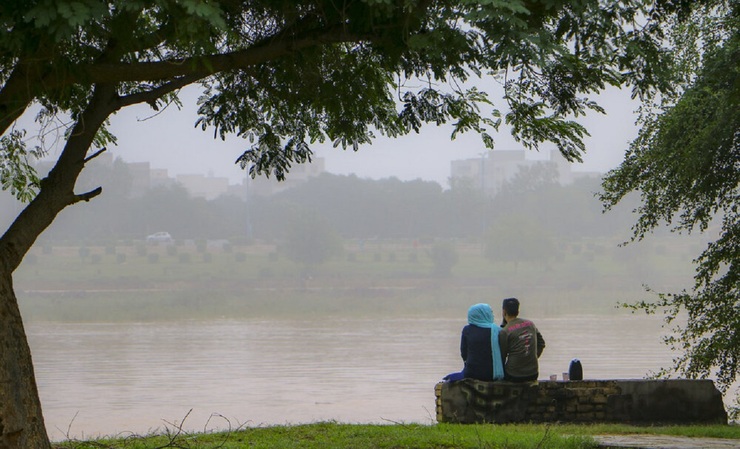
(160,237)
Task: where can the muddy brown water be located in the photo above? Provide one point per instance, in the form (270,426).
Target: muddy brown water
(108,379)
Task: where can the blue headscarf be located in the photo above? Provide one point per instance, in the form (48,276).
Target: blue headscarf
(481,315)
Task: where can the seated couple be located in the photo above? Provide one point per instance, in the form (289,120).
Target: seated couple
(490,352)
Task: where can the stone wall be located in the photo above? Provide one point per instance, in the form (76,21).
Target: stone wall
(629,401)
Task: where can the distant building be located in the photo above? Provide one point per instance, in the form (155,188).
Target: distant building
(299,173)
(141,180)
(158,177)
(144,178)
(489,172)
(200,186)
(238,190)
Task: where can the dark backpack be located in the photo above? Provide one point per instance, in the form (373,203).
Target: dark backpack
(575,372)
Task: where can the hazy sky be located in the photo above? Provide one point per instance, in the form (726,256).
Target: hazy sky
(169,140)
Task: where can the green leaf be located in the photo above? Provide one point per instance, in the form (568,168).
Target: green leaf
(16,172)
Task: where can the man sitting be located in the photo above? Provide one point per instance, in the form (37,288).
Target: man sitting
(521,345)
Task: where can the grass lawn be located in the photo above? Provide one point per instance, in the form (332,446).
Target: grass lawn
(397,436)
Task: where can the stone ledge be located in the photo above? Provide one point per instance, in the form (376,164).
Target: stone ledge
(673,401)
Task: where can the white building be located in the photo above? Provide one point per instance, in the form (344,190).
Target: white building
(489,172)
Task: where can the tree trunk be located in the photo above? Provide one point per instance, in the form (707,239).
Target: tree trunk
(21,422)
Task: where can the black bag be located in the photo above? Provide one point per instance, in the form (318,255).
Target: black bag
(575,372)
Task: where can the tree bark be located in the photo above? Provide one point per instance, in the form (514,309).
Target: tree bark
(21,422)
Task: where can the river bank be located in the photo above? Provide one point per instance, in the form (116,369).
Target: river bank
(327,435)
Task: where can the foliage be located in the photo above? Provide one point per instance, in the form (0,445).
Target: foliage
(390,209)
(277,73)
(685,164)
(537,177)
(311,241)
(16,172)
(518,239)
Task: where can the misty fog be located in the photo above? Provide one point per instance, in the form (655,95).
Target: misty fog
(330,228)
(310,290)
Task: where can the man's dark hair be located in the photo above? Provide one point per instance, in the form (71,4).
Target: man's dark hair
(511,306)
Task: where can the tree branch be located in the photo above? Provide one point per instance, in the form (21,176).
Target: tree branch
(88,195)
(97,153)
(15,96)
(21,86)
(152,95)
(26,83)
(57,189)
(202,66)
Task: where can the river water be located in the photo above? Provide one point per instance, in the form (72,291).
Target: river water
(107,379)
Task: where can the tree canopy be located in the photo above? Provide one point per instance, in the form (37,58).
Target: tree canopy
(287,74)
(685,164)
(279,72)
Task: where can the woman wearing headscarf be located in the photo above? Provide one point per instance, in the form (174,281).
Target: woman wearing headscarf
(479,347)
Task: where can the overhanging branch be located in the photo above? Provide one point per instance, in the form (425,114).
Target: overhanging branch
(202,66)
(93,156)
(152,95)
(88,195)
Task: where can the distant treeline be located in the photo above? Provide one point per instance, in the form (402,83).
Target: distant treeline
(352,207)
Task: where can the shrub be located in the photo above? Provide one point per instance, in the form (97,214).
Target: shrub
(444,257)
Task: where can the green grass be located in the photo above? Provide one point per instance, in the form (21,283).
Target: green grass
(329,435)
